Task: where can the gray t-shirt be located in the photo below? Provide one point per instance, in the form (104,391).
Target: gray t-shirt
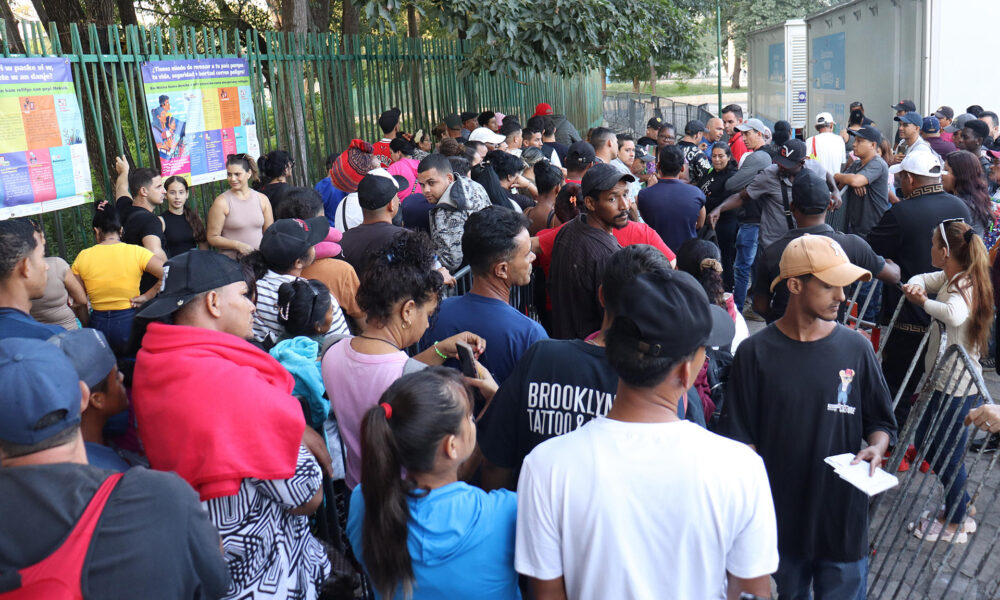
(864,212)
(765,189)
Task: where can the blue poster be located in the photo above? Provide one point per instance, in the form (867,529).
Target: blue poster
(828,59)
(776,62)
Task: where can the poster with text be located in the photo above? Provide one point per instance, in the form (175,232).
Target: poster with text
(43,157)
(200,111)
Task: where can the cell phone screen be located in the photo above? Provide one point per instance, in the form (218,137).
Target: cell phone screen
(467,359)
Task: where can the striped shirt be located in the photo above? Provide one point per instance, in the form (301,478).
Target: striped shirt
(266,328)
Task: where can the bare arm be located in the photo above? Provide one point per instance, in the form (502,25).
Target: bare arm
(850,179)
(835,200)
(890,273)
(731,203)
(265,206)
(121,181)
(311,506)
(701,218)
(154,245)
(758,586)
(78,293)
(549,589)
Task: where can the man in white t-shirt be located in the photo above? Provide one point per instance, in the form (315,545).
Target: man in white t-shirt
(826,146)
(640,504)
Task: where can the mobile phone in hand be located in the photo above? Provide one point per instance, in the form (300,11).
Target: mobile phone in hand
(467,359)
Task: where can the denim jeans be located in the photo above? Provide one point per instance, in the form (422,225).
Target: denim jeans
(946,451)
(746,251)
(726,230)
(799,579)
(116,325)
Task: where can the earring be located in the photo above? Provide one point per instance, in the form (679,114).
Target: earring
(406,324)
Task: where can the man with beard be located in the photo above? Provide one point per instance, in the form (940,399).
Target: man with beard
(582,247)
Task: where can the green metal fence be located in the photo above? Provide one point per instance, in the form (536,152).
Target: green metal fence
(312,94)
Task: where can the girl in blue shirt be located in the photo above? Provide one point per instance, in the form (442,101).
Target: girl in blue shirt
(429,535)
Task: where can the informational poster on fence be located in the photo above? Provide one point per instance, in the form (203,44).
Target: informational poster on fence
(200,111)
(43,157)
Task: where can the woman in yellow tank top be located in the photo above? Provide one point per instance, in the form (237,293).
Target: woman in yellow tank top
(110,272)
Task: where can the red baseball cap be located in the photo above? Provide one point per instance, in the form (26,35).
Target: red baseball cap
(542,108)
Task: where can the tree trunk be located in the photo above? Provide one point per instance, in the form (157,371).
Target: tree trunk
(635,85)
(350,22)
(43,15)
(321,13)
(294,22)
(420,118)
(736,73)
(13,34)
(652,78)
(126,12)
(101,12)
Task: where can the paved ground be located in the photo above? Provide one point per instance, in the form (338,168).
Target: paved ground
(907,568)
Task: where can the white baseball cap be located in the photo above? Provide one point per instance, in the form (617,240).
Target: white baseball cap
(824,118)
(486,136)
(919,162)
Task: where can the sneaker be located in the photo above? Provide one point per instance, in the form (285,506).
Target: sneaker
(988,362)
(986,445)
(932,530)
(968,524)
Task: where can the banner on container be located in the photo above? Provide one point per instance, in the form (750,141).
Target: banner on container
(43,157)
(200,112)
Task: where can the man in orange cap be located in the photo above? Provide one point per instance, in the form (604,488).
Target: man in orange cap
(803,389)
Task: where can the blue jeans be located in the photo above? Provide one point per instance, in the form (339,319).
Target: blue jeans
(946,451)
(746,251)
(799,579)
(116,325)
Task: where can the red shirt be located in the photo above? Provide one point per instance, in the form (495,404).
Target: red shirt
(382,151)
(737,146)
(633,233)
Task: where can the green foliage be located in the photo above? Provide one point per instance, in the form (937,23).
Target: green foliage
(750,15)
(561,37)
(668,46)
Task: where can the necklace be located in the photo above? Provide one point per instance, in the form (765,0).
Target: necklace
(378,339)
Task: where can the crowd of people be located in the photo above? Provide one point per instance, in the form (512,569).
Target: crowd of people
(498,360)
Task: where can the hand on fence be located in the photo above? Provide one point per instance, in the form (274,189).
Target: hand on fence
(986,417)
(915,293)
(448,279)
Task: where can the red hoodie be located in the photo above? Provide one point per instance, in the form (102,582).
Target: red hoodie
(214,409)
(737,146)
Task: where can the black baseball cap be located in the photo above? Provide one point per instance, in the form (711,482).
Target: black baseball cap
(388,120)
(187,275)
(377,190)
(905,105)
(453,121)
(693,126)
(857,104)
(666,314)
(911,118)
(579,155)
(89,352)
(465,116)
(644,156)
(945,112)
(867,133)
(654,123)
(791,154)
(289,239)
(602,177)
(810,194)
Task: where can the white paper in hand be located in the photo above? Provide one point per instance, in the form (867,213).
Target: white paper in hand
(858,475)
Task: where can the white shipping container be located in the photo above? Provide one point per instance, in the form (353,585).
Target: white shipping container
(881,52)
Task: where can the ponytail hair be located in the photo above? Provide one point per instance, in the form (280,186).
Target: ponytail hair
(190,215)
(486,176)
(302,306)
(568,202)
(970,252)
(247,162)
(403,431)
(701,259)
(273,164)
(106,218)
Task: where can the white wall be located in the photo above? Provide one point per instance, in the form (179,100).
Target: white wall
(962,47)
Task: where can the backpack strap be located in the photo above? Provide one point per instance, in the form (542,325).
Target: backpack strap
(784,201)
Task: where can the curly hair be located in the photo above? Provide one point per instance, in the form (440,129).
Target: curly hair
(400,270)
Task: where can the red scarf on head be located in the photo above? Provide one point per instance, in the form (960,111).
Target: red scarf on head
(215,409)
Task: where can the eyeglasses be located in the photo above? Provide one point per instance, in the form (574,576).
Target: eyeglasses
(944,236)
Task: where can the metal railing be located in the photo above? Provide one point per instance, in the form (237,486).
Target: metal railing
(903,564)
(340,84)
(629,112)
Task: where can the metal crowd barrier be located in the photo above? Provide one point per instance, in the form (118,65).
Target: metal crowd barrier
(902,565)
(629,112)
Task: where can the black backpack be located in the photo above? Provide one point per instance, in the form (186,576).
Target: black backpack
(719,362)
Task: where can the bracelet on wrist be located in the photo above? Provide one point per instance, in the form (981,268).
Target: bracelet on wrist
(439,353)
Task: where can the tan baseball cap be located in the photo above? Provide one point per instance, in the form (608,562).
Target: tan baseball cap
(821,257)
